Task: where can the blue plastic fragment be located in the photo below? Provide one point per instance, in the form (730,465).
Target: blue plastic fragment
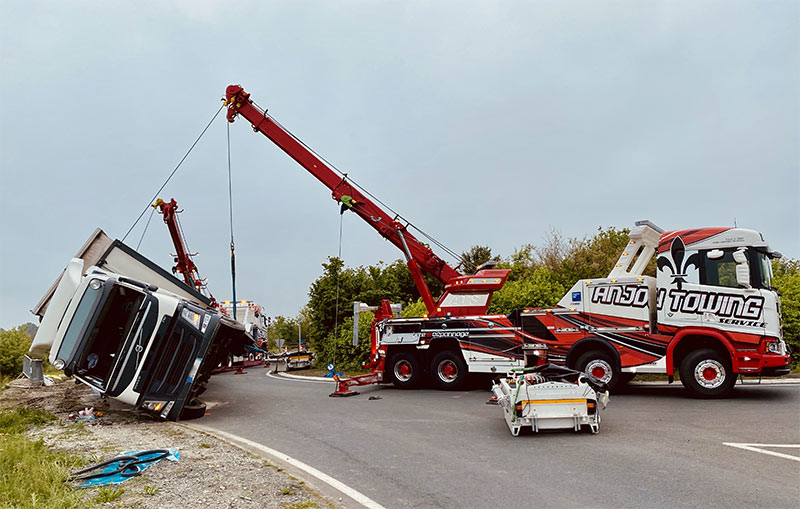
(118,478)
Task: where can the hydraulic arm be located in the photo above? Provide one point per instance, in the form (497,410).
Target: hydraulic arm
(419,257)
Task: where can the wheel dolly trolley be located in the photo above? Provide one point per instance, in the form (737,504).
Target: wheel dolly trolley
(550,397)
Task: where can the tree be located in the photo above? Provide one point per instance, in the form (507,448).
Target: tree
(14,344)
(593,257)
(541,288)
(416,309)
(787,281)
(475,257)
(332,295)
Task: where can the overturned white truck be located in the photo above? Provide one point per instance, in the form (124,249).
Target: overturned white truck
(127,328)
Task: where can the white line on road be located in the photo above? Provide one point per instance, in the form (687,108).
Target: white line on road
(322,476)
(297,378)
(759,448)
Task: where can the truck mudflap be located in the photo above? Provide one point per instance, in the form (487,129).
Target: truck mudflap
(189,347)
(550,397)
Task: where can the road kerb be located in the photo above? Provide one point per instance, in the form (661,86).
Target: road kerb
(272,454)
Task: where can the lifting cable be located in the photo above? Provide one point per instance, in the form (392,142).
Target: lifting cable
(336,315)
(374,198)
(149,204)
(230,211)
(145,228)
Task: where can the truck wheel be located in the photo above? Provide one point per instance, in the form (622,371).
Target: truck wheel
(404,370)
(448,370)
(707,374)
(601,366)
(194,409)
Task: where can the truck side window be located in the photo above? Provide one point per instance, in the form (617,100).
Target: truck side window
(719,271)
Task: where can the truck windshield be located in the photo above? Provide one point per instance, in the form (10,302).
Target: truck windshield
(79,318)
(115,320)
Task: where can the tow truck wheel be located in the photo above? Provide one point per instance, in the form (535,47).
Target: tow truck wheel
(448,371)
(404,370)
(601,366)
(707,374)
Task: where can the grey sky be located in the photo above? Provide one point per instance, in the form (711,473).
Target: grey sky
(481,122)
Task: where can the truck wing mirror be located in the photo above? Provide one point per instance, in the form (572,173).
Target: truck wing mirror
(742,268)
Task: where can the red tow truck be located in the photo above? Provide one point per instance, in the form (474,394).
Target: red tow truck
(456,336)
(711,311)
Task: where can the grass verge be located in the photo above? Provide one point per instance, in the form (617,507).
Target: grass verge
(31,475)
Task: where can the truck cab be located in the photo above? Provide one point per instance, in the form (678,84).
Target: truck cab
(710,312)
(131,340)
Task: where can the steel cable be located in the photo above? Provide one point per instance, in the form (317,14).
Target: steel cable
(363,190)
(173,173)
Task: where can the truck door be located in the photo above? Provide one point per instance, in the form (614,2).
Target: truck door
(679,288)
(724,302)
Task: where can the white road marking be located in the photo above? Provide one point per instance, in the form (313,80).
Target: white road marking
(296,378)
(759,448)
(322,476)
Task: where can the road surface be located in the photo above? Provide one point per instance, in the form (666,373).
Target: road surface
(426,448)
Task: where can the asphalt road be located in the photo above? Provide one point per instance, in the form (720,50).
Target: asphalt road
(426,448)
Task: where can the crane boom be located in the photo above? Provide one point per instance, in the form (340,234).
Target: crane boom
(419,257)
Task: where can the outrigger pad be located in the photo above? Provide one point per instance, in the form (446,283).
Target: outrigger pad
(343,394)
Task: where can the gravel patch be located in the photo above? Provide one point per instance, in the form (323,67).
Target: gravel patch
(210,473)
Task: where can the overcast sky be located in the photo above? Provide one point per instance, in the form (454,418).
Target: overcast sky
(481,122)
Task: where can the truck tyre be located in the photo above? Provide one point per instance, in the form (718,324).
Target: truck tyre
(600,365)
(707,373)
(448,370)
(404,370)
(194,409)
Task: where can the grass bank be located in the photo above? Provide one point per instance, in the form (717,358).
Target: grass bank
(31,475)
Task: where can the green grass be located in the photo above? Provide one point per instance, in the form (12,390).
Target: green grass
(205,445)
(150,490)
(31,475)
(18,419)
(302,505)
(108,494)
(322,372)
(287,491)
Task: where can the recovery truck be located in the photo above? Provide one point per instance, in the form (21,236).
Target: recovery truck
(131,331)
(711,312)
(456,336)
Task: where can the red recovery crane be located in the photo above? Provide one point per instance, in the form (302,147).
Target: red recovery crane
(463,295)
(456,336)
(183,260)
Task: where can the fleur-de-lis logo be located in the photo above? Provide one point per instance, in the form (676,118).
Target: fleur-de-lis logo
(678,266)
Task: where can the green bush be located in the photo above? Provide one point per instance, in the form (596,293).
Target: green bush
(14,344)
(787,281)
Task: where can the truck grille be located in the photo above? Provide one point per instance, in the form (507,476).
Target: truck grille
(174,362)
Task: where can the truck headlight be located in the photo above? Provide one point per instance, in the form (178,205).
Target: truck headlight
(775,347)
(58,364)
